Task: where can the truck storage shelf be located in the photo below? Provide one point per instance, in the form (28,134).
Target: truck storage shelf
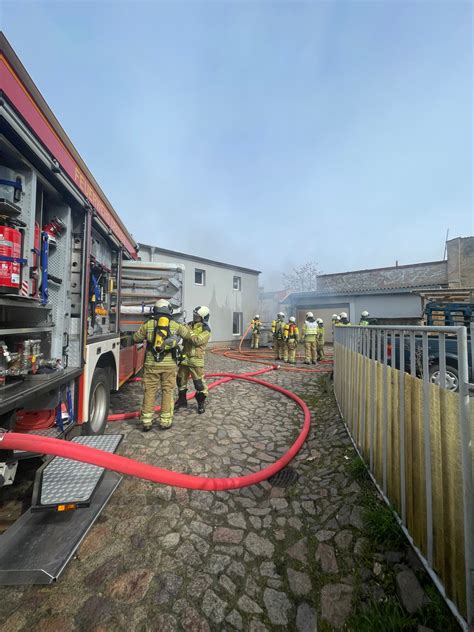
(30,389)
(12,301)
(6,331)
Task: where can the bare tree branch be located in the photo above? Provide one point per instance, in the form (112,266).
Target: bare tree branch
(302,279)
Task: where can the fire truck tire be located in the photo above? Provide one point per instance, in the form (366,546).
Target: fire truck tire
(99,403)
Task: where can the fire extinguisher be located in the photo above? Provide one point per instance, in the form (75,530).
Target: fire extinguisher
(10,255)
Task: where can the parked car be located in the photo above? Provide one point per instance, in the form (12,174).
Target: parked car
(438,314)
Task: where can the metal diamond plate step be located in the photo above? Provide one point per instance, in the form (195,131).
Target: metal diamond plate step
(64,481)
(38,546)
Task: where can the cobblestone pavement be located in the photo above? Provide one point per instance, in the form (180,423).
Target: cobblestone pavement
(260,558)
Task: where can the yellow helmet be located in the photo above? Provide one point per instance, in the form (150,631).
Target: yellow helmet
(202,311)
(163,307)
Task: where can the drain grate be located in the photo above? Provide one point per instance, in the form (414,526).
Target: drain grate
(284,478)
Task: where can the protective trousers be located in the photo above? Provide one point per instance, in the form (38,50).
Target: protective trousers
(156,378)
(290,351)
(320,349)
(196,373)
(255,340)
(310,351)
(279,349)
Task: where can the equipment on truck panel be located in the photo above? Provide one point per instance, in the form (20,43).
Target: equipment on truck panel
(10,255)
(35,269)
(11,189)
(54,229)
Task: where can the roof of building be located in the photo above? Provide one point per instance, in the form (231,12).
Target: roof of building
(397,267)
(219,264)
(363,291)
(275,294)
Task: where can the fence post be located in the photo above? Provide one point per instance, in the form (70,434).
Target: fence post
(467,467)
(427,449)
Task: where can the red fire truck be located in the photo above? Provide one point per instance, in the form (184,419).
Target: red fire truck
(62,350)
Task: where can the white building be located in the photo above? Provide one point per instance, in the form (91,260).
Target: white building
(230,292)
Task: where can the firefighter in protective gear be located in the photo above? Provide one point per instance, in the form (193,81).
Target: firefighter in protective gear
(291,336)
(364,318)
(192,362)
(320,339)
(344,319)
(278,327)
(162,353)
(310,333)
(256,326)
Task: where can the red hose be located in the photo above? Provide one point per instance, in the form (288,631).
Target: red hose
(124,465)
(136,413)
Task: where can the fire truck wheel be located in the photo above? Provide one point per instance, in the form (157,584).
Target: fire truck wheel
(99,403)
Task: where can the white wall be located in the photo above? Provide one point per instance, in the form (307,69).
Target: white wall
(217,293)
(384,306)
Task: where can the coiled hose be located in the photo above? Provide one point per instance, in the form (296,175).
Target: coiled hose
(130,467)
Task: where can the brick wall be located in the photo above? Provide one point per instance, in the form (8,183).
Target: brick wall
(461,262)
(401,276)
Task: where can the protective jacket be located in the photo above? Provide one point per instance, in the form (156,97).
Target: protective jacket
(363,322)
(310,331)
(278,327)
(256,325)
(161,335)
(291,332)
(320,335)
(195,341)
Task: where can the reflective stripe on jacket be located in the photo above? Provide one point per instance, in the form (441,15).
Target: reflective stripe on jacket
(256,325)
(310,331)
(278,327)
(291,332)
(147,332)
(194,344)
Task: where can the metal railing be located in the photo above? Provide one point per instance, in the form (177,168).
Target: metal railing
(403,393)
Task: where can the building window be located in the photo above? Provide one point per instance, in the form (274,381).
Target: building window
(237,323)
(199,276)
(237,283)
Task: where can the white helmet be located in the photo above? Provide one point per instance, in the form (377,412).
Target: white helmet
(257,317)
(320,321)
(202,311)
(309,315)
(343,315)
(280,315)
(334,317)
(365,313)
(162,307)
(292,319)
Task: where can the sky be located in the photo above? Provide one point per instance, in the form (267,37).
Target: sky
(267,134)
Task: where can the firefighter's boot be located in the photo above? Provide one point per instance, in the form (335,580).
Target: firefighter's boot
(200,398)
(181,402)
(147,421)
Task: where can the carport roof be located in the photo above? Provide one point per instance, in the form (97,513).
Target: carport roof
(408,289)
